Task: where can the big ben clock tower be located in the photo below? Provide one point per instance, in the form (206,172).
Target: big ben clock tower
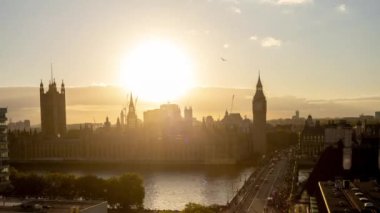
(259,109)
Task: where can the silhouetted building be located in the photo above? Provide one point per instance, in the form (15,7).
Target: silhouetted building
(171,113)
(188,114)
(19,125)
(107,123)
(297,115)
(296,121)
(368,131)
(357,162)
(312,138)
(131,116)
(280,137)
(348,196)
(168,114)
(118,125)
(152,117)
(122,117)
(236,122)
(341,131)
(164,137)
(309,121)
(366,118)
(377,115)
(259,109)
(53,110)
(232,120)
(208,121)
(4,167)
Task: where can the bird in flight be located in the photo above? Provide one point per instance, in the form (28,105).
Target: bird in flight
(223,59)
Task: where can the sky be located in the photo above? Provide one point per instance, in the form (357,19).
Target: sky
(314,49)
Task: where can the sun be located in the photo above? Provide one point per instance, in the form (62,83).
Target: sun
(157,70)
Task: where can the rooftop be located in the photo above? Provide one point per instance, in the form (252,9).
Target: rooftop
(334,199)
(346,196)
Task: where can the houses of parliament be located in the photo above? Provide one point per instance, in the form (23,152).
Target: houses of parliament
(53,110)
(165,136)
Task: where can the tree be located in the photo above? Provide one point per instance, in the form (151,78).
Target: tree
(26,184)
(132,191)
(60,185)
(112,187)
(36,185)
(126,192)
(197,208)
(90,187)
(67,187)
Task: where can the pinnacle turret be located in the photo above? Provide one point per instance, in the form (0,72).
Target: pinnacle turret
(259,84)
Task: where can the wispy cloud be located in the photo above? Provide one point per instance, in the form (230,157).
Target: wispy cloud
(342,8)
(232,1)
(236,10)
(270,42)
(283,2)
(287,2)
(253,38)
(98,84)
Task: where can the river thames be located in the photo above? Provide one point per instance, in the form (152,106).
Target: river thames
(167,187)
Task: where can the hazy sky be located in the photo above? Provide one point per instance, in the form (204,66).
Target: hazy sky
(305,48)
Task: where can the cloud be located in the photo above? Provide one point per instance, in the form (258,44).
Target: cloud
(253,38)
(232,1)
(236,10)
(270,42)
(98,84)
(287,2)
(342,8)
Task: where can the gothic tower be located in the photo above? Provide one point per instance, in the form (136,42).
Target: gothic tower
(122,117)
(131,116)
(188,112)
(53,110)
(259,109)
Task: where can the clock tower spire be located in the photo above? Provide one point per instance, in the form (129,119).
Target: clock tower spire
(259,109)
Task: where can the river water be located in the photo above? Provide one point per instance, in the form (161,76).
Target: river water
(168,187)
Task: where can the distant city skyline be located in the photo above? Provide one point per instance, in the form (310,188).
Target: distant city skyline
(93,104)
(304,48)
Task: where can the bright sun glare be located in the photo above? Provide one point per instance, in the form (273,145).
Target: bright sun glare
(157,70)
